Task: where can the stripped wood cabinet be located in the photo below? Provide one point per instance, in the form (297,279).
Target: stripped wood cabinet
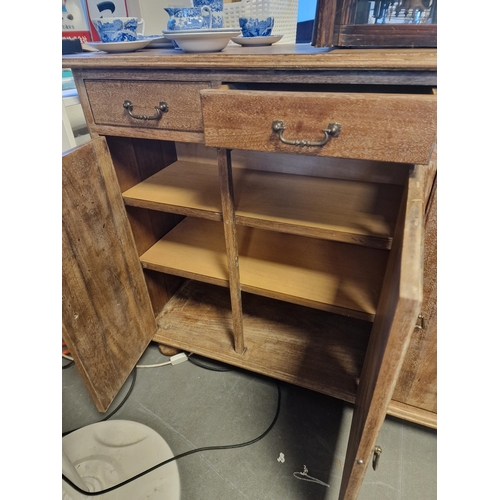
(294,252)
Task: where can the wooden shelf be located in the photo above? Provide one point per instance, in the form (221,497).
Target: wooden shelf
(339,210)
(302,346)
(186,188)
(331,276)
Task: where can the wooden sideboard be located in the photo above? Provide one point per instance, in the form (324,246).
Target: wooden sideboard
(272,208)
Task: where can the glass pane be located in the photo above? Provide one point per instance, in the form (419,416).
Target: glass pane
(396,12)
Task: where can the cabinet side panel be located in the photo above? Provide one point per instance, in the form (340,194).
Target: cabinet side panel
(417,384)
(135,160)
(107,315)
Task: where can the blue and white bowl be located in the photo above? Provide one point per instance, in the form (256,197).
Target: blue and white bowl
(116,29)
(253,26)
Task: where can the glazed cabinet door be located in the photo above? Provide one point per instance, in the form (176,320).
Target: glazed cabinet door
(108,319)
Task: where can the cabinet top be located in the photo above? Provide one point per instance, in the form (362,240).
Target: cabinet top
(277,57)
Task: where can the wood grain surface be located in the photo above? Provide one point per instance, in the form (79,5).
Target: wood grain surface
(385,127)
(135,160)
(417,384)
(311,348)
(108,320)
(182,98)
(396,318)
(300,57)
(321,274)
(340,210)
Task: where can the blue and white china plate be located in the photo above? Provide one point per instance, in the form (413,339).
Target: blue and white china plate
(256,41)
(117,47)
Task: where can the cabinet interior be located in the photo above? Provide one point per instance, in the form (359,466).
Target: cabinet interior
(311,242)
(368,88)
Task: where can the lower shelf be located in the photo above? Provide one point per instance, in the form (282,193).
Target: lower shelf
(310,348)
(327,275)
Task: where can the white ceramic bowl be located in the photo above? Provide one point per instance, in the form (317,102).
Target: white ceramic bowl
(202,40)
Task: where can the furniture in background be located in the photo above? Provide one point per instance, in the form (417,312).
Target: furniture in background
(263,207)
(74,126)
(379,23)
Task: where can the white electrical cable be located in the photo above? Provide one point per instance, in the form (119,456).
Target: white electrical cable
(154,366)
(137,366)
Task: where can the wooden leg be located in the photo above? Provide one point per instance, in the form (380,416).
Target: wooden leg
(167,350)
(228,217)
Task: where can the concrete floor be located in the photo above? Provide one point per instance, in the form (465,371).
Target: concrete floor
(192,407)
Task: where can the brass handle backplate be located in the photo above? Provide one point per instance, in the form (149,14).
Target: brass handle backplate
(161,108)
(333,130)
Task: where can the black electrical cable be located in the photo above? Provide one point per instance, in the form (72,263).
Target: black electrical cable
(71,363)
(207,366)
(134,377)
(182,455)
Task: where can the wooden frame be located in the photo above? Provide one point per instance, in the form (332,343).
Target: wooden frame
(210,288)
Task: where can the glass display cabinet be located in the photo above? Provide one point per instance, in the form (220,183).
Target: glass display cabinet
(375,23)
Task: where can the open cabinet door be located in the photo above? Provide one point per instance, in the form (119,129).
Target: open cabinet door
(396,318)
(108,319)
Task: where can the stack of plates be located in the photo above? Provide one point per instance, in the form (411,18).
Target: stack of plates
(209,40)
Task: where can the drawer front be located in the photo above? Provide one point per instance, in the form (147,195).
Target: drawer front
(383,127)
(106,98)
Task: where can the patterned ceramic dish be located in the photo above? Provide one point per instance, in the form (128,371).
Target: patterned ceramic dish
(120,47)
(256,41)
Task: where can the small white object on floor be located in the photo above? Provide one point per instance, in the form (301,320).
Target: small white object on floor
(307,477)
(281,458)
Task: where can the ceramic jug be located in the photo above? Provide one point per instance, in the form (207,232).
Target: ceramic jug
(216,6)
(189,18)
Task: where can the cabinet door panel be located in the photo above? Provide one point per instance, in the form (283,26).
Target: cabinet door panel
(107,315)
(397,313)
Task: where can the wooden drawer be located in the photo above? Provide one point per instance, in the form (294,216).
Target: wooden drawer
(106,98)
(384,127)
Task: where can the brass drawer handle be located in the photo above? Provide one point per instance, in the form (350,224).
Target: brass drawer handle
(333,130)
(161,108)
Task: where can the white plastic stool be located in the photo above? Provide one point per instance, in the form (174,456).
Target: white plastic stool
(104,454)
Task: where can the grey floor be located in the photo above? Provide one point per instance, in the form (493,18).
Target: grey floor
(192,407)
